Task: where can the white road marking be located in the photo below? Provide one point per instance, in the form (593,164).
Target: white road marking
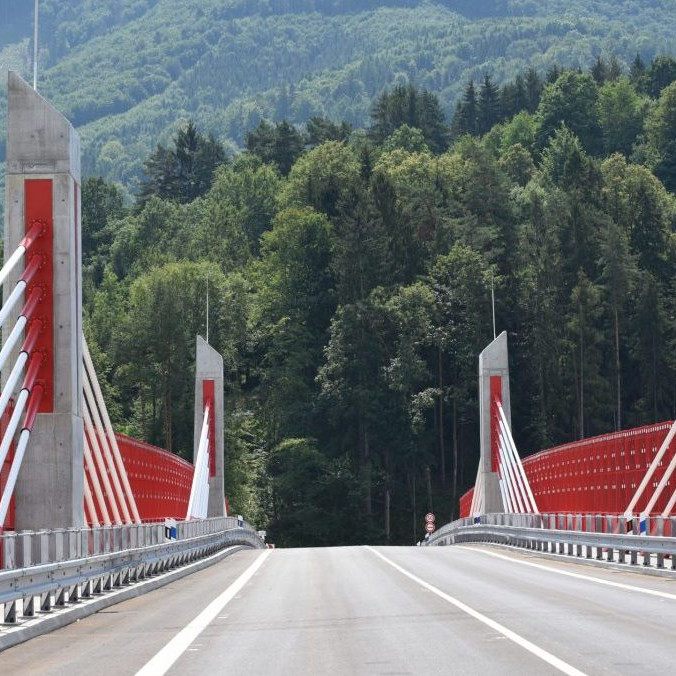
(507,633)
(166,657)
(579,576)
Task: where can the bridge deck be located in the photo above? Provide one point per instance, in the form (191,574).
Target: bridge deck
(348,611)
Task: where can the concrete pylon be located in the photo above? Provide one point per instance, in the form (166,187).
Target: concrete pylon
(209,390)
(493,385)
(43,186)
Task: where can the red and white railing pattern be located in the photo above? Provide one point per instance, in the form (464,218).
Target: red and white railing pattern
(28,360)
(109,498)
(199,493)
(659,488)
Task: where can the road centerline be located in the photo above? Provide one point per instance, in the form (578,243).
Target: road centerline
(167,656)
(524,643)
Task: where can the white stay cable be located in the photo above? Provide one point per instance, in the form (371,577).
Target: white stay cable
(93,517)
(503,494)
(509,452)
(510,440)
(657,461)
(100,464)
(98,395)
(107,455)
(475,507)
(508,474)
(94,479)
(201,451)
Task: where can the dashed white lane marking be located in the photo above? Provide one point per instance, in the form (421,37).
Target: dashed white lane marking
(579,576)
(554,661)
(166,657)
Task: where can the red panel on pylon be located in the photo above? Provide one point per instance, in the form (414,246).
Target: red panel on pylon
(38,209)
(496,397)
(209,399)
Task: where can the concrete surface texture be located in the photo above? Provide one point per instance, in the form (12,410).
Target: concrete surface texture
(446,610)
(493,361)
(42,144)
(209,366)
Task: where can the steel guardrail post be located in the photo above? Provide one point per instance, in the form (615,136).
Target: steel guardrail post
(25,549)
(9,551)
(635,528)
(647,557)
(659,532)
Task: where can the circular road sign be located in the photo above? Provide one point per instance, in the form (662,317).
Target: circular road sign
(429,518)
(429,527)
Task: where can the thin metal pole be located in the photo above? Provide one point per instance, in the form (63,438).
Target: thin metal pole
(35,48)
(493,305)
(207,307)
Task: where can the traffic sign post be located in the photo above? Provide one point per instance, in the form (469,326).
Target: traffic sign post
(429,518)
(429,527)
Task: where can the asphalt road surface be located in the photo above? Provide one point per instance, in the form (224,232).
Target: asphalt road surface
(361,610)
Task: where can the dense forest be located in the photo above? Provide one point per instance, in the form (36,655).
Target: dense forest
(129,73)
(350,273)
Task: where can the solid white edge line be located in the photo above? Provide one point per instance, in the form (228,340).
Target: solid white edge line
(496,626)
(167,656)
(579,576)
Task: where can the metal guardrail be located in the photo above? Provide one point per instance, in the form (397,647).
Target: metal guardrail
(65,566)
(592,539)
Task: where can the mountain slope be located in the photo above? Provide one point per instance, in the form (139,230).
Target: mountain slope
(128,71)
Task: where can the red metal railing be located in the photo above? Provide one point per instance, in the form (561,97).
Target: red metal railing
(597,475)
(160,481)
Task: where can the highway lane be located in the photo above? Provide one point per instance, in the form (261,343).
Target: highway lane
(447,610)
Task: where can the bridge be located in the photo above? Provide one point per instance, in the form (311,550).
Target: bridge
(119,556)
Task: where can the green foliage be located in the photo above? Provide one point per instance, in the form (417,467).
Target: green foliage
(621,115)
(322,178)
(294,307)
(131,72)
(406,138)
(662,136)
(405,105)
(571,101)
(311,497)
(278,144)
(350,252)
(182,172)
(660,74)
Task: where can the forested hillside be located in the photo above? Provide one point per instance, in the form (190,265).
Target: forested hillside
(127,72)
(350,275)
(349,179)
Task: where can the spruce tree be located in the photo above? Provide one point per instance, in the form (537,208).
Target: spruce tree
(466,114)
(489,105)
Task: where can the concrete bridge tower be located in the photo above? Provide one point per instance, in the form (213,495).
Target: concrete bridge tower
(209,392)
(493,387)
(43,187)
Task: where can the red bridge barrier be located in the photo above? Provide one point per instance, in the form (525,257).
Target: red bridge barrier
(597,475)
(160,481)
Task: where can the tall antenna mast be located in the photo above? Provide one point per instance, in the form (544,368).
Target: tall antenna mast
(35,48)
